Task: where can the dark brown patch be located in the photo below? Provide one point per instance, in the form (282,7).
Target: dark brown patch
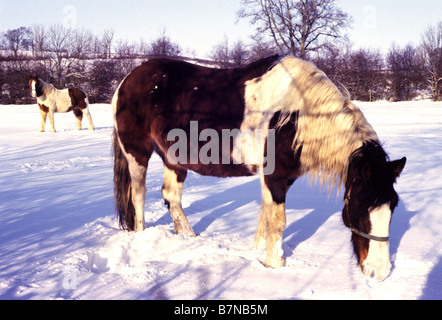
(78,99)
(161,95)
(78,113)
(43,108)
(286,162)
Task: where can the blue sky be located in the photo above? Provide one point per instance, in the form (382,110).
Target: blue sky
(199,24)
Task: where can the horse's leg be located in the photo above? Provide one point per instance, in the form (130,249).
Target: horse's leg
(172,191)
(130,182)
(51,120)
(89,118)
(273,218)
(44,115)
(272,224)
(274,186)
(138,192)
(261,232)
(79,116)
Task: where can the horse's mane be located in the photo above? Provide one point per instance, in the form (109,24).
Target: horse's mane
(329,127)
(45,88)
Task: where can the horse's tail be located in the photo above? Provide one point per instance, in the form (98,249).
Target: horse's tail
(122,187)
(122,182)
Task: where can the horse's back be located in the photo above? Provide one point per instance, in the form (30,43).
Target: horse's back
(188,92)
(162,95)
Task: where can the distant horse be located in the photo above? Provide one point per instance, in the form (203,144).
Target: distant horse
(51,100)
(314,129)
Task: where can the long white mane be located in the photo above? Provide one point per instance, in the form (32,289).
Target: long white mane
(329,128)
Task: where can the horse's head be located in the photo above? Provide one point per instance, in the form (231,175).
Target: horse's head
(370,200)
(34,86)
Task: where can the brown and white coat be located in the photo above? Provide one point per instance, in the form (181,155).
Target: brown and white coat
(318,131)
(51,100)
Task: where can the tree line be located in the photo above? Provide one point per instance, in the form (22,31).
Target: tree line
(315,30)
(310,29)
(71,57)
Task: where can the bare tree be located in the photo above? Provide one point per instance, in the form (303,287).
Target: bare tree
(38,40)
(239,54)
(103,79)
(261,48)
(143,47)
(297,26)
(81,43)
(17,39)
(163,46)
(106,41)
(221,53)
(405,71)
(432,55)
(125,49)
(68,48)
(59,39)
(366,75)
(125,52)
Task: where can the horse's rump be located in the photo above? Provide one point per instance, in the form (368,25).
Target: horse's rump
(78,98)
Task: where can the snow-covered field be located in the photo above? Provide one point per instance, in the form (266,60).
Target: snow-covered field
(59,237)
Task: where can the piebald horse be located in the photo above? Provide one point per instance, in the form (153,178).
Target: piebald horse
(51,100)
(308,125)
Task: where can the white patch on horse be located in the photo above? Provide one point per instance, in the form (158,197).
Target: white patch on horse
(115,102)
(33,88)
(377,265)
(138,188)
(271,225)
(88,114)
(259,110)
(171,192)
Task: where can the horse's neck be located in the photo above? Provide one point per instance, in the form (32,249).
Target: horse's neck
(48,89)
(330,142)
(329,135)
(329,127)
(47,86)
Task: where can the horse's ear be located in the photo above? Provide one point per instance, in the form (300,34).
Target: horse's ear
(398,166)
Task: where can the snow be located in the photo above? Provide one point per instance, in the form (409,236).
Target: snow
(60,239)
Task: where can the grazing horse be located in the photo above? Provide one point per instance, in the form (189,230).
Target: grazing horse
(308,126)
(51,100)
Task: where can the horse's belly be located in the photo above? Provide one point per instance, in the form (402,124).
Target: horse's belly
(223,170)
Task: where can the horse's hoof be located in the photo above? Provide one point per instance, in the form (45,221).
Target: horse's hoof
(187,233)
(274,262)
